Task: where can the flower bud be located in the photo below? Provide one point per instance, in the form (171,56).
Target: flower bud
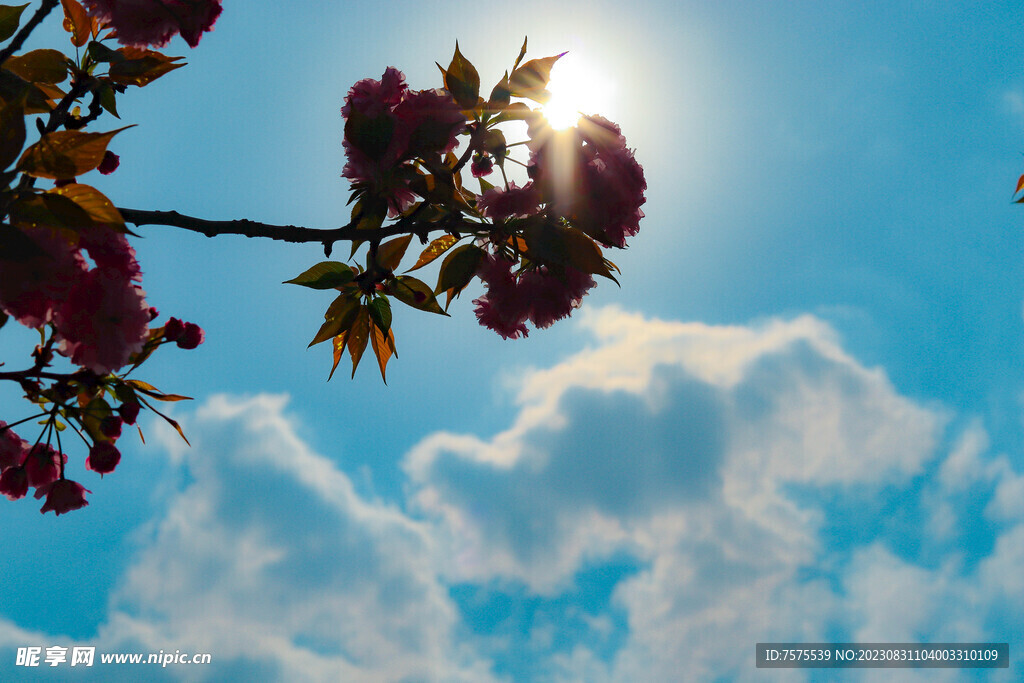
(191,337)
(103,458)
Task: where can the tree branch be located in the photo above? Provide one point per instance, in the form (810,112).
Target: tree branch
(27,29)
(292,233)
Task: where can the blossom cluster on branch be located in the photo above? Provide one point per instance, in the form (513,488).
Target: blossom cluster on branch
(66,266)
(68,270)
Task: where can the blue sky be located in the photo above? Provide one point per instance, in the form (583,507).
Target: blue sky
(798,419)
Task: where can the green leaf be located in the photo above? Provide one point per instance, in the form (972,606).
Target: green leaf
(12,131)
(500,94)
(415,293)
(65,154)
(141,67)
(39,66)
(389,254)
(45,210)
(324,275)
(98,52)
(108,100)
(10,17)
(517,111)
(458,268)
(338,318)
(462,80)
(434,249)
(380,313)
(522,53)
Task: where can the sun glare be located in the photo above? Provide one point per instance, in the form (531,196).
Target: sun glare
(575,89)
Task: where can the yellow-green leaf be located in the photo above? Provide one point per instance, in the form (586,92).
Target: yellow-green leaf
(434,250)
(65,154)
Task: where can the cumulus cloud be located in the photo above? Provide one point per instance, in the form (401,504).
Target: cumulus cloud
(267,559)
(727,460)
(764,484)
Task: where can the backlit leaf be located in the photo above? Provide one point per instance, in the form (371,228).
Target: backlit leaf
(531,79)
(415,293)
(338,318)
(462,80)
(389,254)
(65,154)
(94,202)
(47,210)
(383,347)
(1020,185)
(141,67)
(76,22)
(324,275)
(9,19)
(339,349)
(435,249)
(458,268)
(358,335)
(39,66)
(380,312)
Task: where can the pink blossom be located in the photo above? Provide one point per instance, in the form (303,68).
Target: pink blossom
(40,273)
(43,464)
(154,22)
(103,457)
(14,483)
(429,121)
(503,308)
(62,495)
(587,175)
(110,249)
(110,427)
(482,166)
(552,297)
(499,204)
(12,447)
(173,329)
(103,321)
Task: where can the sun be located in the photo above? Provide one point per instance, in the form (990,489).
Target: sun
(575,89)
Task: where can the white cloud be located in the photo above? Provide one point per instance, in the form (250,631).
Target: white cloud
(768,486)
(701,423)
(268,559)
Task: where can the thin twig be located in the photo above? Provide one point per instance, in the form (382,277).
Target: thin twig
(22,35)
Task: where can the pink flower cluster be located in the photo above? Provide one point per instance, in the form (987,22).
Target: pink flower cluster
(537,295)
(155,22)
(588,176)
(39,467)
(387,126)
(100,314)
